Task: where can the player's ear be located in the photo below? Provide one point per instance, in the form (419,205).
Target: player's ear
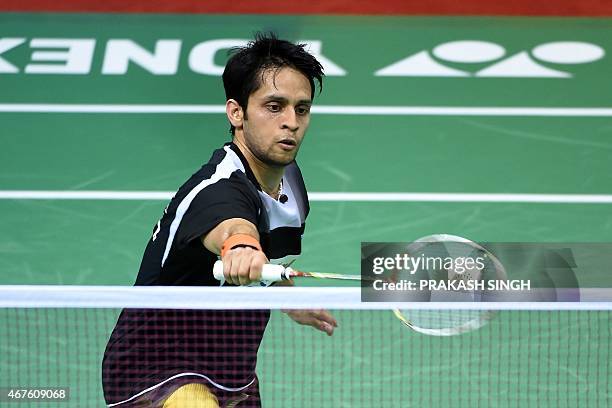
(234,112)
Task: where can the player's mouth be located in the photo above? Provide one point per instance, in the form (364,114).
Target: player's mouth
(287,144)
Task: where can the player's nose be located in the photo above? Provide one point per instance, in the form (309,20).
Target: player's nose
(290,120)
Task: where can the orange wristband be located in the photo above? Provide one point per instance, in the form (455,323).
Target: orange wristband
(237,240)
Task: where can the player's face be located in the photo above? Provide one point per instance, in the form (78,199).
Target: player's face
(278,114)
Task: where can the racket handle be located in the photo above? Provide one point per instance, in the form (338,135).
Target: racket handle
(269,272)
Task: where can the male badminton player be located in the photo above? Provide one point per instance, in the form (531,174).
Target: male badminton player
(248,204)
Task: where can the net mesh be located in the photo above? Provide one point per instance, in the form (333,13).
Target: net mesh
(545,358)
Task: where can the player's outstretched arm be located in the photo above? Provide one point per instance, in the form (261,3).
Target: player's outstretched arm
(237,241)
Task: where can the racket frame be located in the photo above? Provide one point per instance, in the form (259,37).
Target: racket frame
(483,317)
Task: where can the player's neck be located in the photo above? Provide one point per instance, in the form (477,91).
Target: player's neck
(269,177)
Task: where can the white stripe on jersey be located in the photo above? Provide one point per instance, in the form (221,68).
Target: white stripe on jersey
(230,163)
(282,214)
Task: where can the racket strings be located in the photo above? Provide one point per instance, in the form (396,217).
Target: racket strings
(463,264)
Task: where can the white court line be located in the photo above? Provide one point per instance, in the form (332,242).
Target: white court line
(117,108)
(320,196)
(326,110)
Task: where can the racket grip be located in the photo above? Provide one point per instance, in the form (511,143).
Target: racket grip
(269,272)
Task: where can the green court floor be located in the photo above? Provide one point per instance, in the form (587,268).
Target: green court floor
(91,242)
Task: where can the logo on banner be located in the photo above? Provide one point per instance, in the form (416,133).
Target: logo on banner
(534,63)
(482,59)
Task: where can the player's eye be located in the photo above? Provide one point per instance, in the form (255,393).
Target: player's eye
(303,110)
(273,107)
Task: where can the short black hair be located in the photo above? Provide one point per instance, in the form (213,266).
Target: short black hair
(243,72)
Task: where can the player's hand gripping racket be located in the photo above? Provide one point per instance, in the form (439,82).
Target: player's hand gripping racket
(276,273)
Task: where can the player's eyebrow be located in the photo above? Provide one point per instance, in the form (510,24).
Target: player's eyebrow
(283,100)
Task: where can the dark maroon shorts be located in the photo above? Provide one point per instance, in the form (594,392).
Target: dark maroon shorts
(149,346)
